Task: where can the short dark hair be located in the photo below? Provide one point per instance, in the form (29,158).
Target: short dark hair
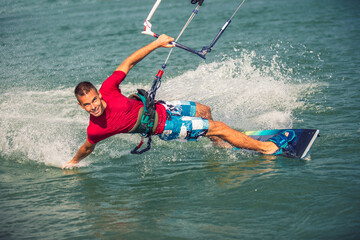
(83,88)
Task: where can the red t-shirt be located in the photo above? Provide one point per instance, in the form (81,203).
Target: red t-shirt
(120,114)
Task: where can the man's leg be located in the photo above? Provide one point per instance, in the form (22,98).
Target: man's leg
(204,111)
(239,139)
(226,137)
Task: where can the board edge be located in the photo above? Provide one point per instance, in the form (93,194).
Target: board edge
(310,144)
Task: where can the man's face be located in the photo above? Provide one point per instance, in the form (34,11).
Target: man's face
(92,103)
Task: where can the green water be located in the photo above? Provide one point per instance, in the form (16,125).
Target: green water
(280,64)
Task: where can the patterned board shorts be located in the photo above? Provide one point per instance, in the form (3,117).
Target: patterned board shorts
(181,123)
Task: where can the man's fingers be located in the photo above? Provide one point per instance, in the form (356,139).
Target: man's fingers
(165,41)
(68,166)
(170,45)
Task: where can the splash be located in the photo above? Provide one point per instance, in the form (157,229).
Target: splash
(247,93)
(48,127)
(39,126)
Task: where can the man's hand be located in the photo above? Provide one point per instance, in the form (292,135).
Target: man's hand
(83,152)
(137,56)
(70,164)
(165,41)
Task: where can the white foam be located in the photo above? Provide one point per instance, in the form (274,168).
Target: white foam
(242,92)
(40,126)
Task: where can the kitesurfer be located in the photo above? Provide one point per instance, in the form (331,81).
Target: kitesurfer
(113,113)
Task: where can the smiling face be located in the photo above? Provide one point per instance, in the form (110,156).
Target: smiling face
(92,103)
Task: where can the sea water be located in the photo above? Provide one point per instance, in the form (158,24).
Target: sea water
(280,64)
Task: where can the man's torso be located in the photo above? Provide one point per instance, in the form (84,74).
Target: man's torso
(120,114)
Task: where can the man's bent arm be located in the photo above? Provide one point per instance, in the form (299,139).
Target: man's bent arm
(137,56)
(82,153)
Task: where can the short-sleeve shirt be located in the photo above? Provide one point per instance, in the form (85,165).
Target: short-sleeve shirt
(121,112)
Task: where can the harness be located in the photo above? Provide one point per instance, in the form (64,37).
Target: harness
(147,120)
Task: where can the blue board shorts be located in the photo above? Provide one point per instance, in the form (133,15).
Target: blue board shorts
(181,123)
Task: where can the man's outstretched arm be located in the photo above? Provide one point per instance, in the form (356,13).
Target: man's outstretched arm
(82,153)
(137,56)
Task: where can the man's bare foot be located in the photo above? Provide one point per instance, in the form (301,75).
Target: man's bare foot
(271,147)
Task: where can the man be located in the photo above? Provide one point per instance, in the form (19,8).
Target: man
(112,113)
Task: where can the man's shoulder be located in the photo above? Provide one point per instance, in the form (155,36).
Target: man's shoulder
(97,122)
(111,85)
(118,74)
(116,77)
(96,129)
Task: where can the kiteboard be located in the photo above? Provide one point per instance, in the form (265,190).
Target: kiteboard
(297,148)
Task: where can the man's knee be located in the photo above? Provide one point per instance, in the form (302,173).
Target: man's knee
(203,111)
(216,128)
